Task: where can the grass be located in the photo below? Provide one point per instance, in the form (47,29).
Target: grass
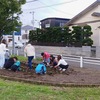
(10,90)
(22,58)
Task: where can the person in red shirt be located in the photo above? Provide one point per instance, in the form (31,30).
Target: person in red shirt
(46,57)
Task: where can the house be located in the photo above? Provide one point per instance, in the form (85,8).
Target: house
(22,35)
(89,16)
(53,22)
(25,33)
(16,35)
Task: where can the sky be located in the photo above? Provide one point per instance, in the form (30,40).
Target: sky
(41,9)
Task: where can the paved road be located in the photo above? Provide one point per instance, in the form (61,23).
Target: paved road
(77,64)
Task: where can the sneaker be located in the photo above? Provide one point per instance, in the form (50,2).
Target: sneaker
(63,70)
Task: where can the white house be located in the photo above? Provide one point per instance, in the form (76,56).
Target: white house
(25,32)
(22,35)
(89,16)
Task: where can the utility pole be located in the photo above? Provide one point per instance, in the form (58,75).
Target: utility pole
(32,19)
(13,42)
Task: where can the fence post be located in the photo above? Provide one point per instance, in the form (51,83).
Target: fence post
(17,52)
(34,56)
(81,61)
(11,52)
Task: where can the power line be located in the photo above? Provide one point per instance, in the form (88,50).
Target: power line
(55,9)
(31,1)
(53,5)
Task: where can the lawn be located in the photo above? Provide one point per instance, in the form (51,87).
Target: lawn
(22,58)
(10,90)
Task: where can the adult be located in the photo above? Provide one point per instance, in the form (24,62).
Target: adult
(30,53)
(9,63)
(45,57)
(16,66)
(2,53)
(62,64)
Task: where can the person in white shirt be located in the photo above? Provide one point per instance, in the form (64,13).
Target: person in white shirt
(30,52)
(2,53)
(62,64)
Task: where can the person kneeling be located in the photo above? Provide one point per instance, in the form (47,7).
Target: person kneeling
(41,68)
(62,64)
(16,66)
(9,63)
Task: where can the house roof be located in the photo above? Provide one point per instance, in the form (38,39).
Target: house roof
(55,18)
(95,4)
(27,27)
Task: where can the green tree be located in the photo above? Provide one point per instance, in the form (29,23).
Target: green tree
(33,36)
(66,35)
(87,41)
(77,35)
(9,15)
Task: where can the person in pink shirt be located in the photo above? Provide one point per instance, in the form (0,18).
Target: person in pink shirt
(46,57)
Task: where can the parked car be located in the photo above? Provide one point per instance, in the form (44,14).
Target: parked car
(16,44)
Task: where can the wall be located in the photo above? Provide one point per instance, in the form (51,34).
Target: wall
(84,51)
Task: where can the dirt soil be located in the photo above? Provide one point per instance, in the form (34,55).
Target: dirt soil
(73,76)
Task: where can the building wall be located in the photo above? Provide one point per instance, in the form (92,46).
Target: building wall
(96,33)
(53,22)
(84,51)
(88,19)
(10,38)
(88,16)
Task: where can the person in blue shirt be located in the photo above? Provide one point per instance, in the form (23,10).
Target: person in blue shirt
(16,66)
(41,68)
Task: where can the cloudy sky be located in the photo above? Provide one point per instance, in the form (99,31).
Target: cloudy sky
(40,9)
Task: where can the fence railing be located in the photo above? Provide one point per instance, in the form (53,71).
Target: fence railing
(83,60)
(79,59)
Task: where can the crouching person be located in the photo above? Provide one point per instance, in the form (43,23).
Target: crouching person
(41,68)
(9,63)
(16,66)
(62,64)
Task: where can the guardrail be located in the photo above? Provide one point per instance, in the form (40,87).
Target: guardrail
(82,60)
(79,59)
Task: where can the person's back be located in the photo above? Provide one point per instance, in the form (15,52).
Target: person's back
(9,63)
(40,68)
(2,48)
(7,55)
(46,57)
(29,50)
(2,53)
(16,65)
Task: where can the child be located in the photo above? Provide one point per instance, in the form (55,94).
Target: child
(7,55)
(46,57)
(16,66)
(40,68)
(53,61)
